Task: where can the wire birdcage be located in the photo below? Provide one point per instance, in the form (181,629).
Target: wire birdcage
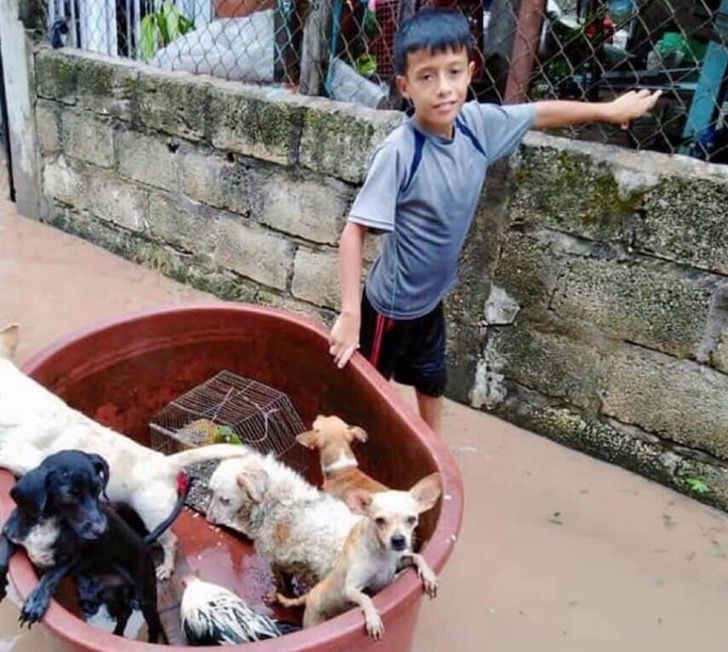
(228,408)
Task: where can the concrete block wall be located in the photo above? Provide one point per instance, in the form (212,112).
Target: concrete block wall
(237,189)
(593,301)
(611,265)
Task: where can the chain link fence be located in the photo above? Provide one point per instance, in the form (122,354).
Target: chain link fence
(524,50)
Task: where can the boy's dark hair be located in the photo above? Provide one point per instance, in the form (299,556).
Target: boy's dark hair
(434,29)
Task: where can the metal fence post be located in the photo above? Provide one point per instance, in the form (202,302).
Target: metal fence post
(712,81)
(315,55)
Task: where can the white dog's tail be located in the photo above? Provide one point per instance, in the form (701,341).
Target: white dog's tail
(206,453)
(8,340)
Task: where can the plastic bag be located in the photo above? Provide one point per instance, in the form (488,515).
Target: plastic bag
(239,49)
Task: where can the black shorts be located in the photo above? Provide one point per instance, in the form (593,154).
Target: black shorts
(410,350)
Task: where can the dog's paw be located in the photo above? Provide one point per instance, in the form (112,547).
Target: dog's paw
(281,599)
(34,609)
(374,625)
(164,571)
(429,581)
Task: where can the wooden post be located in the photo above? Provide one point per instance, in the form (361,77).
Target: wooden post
(528,31)
(498,45)
(287,25)
(315,51)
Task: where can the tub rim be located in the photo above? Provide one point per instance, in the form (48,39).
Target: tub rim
(392,599)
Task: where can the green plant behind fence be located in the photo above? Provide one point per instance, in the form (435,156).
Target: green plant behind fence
(161,28)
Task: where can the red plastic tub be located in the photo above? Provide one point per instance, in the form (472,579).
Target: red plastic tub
(123,371)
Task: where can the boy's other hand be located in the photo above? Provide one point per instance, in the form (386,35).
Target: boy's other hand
(344,338)
(631,105)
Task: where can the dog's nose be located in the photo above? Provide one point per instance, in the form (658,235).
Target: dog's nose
(399,542)
(94,529)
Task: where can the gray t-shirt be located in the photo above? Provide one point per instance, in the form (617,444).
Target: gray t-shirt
(422,191)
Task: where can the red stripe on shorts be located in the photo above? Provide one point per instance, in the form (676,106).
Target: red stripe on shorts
(379,329)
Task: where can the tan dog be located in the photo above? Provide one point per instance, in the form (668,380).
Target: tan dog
(374,550)
(333,438)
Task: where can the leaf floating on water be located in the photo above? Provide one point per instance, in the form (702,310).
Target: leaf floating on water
(557,518)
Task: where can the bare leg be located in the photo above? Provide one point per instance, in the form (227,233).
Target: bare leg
(430,408)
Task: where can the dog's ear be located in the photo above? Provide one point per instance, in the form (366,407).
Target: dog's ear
(8,340)
(254,483)
(355,432)
(308,439)
(101,466)
(359,501)
(31,491)
(427,491)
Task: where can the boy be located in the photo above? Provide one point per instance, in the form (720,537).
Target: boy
(422,190)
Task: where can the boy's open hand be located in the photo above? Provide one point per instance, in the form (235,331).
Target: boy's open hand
(344,338)
(631,105)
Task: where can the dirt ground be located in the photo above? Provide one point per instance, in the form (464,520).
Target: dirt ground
(557,551)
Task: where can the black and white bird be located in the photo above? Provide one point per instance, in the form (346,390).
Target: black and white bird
(212,615)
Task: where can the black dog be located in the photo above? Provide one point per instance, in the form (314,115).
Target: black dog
(119,591)
(67,530)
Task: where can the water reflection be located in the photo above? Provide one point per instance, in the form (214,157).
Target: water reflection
(12,638)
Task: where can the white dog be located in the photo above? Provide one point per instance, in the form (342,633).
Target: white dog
(296,528)
(34,423)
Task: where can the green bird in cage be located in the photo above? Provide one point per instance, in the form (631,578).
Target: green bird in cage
(204,431)
(226,435)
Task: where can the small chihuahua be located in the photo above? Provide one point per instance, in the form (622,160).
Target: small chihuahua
(333,438)
(376,548)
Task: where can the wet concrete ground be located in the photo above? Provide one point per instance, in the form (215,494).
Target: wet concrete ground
(557,552)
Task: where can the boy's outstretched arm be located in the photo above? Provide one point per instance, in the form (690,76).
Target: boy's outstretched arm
(551,114)
(344,337)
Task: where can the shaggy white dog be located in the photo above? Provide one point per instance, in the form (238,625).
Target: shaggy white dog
(296,528)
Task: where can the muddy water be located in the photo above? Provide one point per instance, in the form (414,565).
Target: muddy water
(12,638)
